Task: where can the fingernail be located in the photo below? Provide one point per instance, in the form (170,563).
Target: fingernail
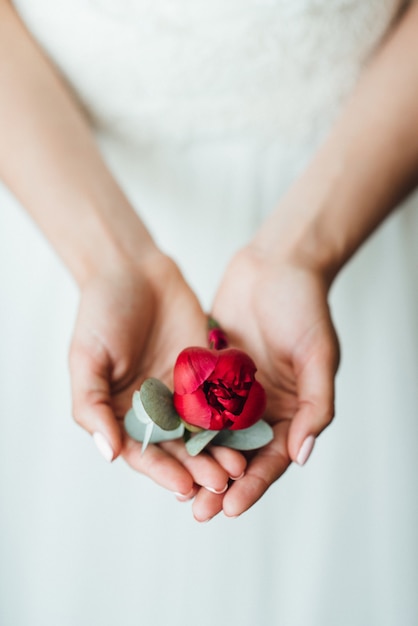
(203,521)
(103,446)
(238,477)
(182,497)
(305,450)
(232,516)
(216,490)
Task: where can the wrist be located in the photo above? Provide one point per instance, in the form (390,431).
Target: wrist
(108,234)
(122,257)
(302,231)
(332,208)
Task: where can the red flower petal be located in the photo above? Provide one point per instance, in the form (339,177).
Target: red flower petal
(192,368)
(219,421)
(217,339)
(193,408)
(253,408)
(234,368)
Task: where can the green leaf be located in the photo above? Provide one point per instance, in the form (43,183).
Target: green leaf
(138,407)
(157,401)
(212,323)
(258,435)
(137,429)
(196,443)
(149,429)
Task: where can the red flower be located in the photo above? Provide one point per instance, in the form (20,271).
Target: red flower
(217,390)
(217,339)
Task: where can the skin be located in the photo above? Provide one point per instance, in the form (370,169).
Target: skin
(281,278)
(136,311)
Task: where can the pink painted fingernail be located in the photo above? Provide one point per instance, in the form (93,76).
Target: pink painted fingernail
(238,477)
(103,446)
(305,450)
(182,497)
(203,521)
(217,491)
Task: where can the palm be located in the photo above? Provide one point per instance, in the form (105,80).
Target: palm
(130,328)
(145,339)
(132,325)
(281,318)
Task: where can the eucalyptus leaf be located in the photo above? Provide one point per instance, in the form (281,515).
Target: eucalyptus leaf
(256,436)
(138,407)
(149,429)
(137,429)
(157,401)
(196,443)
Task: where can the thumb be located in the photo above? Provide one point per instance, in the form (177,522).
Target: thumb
(315,412)
(92,408)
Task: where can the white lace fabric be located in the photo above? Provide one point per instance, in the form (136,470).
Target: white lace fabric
(174,70)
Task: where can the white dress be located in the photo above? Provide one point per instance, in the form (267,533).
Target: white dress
(206,111)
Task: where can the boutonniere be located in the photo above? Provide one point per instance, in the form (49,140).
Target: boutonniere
(216,399)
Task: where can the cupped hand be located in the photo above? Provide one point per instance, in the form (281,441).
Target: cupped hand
(278,313)
(132,323)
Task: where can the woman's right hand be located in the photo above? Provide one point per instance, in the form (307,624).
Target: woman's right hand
(136,311)
(132,323)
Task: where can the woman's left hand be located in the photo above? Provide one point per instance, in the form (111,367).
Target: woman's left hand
(278,313)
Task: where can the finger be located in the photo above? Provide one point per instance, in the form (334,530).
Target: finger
(316,403)
(92,408)
(268,464)
(163,468)
(204,469)
(188,496)
(206,505)
(233,461)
